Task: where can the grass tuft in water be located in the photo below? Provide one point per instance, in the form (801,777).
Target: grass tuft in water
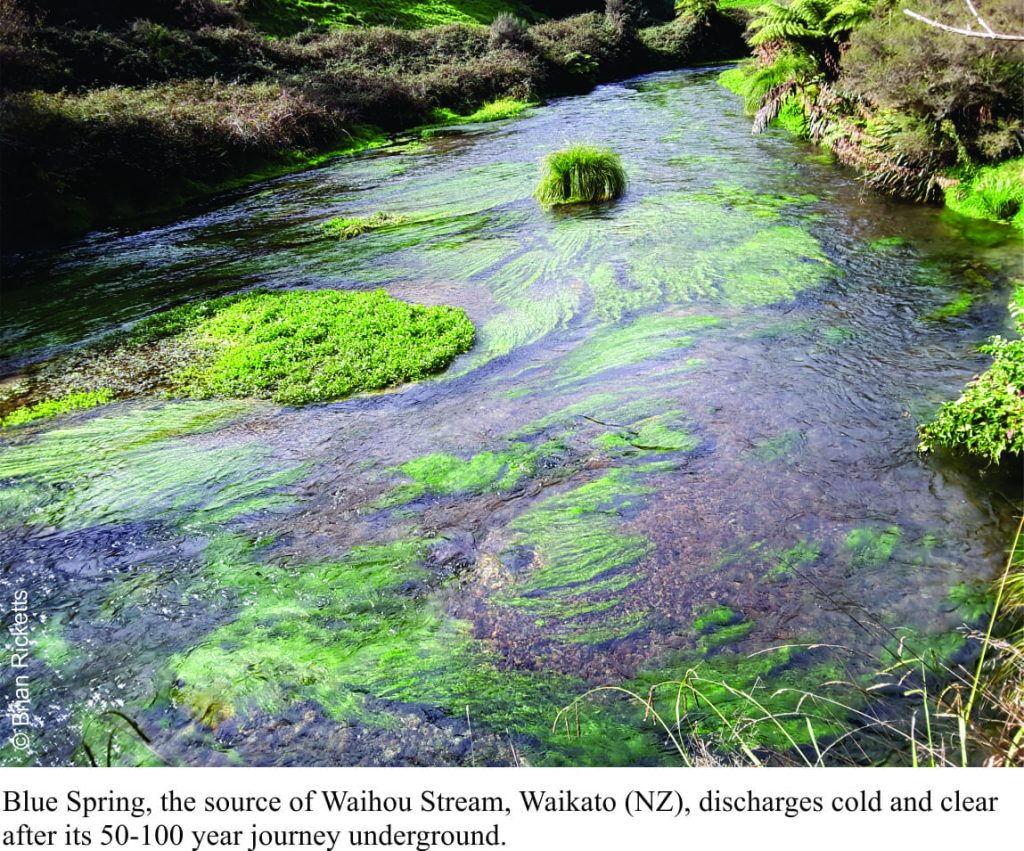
(581,174)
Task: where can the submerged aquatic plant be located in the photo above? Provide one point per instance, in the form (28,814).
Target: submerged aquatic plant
(300,346)
(53,407)
(352,227)
(581,174)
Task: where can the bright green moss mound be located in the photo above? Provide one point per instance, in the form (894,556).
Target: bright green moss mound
(300,346)
(994,192)
(53,407)
(581,174)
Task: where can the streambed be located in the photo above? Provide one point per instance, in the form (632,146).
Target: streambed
(685,441)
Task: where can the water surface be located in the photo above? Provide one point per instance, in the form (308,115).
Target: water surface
(684,441)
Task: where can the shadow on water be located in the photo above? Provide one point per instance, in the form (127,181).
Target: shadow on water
(687,433)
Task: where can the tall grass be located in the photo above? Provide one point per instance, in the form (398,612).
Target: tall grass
(581,174)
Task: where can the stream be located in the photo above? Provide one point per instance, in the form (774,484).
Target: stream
(682,449)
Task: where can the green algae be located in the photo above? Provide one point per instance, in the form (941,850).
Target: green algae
(725,634)
(605,630)
(972,600)
(142,464)
(886,242)
(710,618)
(871,547)
(787,562)
(761,205)
(752,263)
(617,347)
(351,634)
(445,474)
(773,265)
(837,335)
(349,228)
(580,554)
(779,446)
(957,307)
(760,699)
(652,435)
(527,322)
(54,407)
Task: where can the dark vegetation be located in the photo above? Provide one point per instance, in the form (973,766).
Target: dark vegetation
(112,108)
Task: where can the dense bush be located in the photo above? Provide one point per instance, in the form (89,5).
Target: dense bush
(988,419)
(900,64)
(508,31)
(189,14)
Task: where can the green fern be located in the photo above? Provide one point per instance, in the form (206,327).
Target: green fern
(846,15)
(798,22)
(812,27)
(807,34)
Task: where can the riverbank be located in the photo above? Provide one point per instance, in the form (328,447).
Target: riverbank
(103,125)
(924,115)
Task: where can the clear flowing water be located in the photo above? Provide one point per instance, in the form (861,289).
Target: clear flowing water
(684,441)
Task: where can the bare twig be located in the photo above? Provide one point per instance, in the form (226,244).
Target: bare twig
(978,17)
(985,32)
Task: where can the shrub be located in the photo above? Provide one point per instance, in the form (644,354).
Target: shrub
(508,31)
(988,419)
(581,174)
(624,15)
(901,64)
(695,8)
(463,87)
(581,50)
